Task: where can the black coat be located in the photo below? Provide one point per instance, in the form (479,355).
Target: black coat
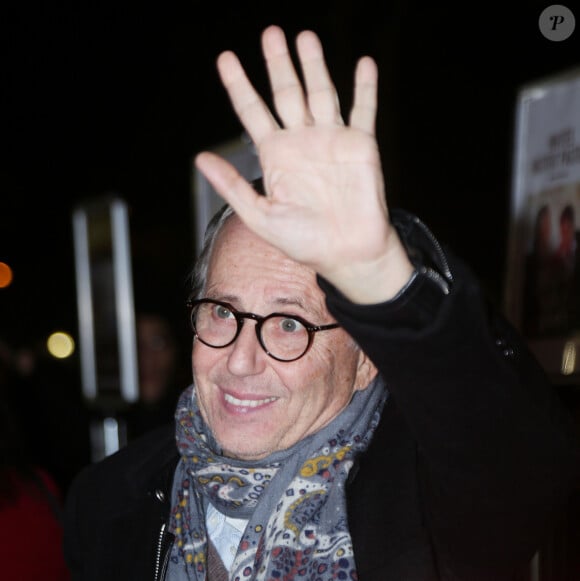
(472,460)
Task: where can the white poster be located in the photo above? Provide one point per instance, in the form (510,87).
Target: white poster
(543,279)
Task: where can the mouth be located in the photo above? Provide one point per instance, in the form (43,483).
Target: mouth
(247,403)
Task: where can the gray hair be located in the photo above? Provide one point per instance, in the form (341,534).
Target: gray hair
(198,275)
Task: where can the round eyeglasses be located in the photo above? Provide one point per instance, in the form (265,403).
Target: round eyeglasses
(283,337)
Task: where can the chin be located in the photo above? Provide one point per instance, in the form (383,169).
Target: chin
(247,442)
(242,454)
(235,447)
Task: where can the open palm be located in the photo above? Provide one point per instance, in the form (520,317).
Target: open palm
(325,205)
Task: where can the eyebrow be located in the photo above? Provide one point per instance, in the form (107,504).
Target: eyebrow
(290,301)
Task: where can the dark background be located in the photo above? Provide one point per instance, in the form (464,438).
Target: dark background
(113,97)
(117,97)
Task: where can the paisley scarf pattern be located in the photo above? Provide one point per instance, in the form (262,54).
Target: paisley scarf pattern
(294,499)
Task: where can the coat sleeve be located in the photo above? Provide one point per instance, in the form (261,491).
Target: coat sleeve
(498,450)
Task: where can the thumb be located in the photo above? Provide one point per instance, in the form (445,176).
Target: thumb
(232,187)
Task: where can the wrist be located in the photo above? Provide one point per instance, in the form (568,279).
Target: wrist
(375,281)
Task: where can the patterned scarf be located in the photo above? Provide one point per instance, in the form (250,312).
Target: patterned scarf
(294,499)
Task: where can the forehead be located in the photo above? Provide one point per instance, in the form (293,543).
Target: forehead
(245,267)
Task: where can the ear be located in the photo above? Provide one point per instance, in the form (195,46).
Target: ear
(365,372)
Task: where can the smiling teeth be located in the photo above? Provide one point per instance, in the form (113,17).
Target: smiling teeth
(250,403)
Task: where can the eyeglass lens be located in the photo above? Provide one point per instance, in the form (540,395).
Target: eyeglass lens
(284,337)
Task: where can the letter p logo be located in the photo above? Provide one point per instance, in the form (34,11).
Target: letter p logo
(557,22)
(556,19)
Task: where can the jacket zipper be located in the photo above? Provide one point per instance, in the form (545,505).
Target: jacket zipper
(442,279)
(162,554)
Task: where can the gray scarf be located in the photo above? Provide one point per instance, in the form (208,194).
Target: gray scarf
(294,499)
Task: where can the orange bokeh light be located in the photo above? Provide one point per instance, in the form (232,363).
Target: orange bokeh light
(5,275)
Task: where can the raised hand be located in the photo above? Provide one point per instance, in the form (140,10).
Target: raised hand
(325,205)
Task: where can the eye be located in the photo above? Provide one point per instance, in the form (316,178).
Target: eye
(291,325)
(222,312)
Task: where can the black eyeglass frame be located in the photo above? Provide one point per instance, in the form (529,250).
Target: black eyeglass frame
(240,317)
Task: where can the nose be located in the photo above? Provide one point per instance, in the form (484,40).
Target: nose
(246,356)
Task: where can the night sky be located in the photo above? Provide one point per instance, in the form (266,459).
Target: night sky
(108,97)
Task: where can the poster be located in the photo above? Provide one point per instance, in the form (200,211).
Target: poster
(543,278)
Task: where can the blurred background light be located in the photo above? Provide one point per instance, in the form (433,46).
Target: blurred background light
(569,358)
(60,345)
(5,275)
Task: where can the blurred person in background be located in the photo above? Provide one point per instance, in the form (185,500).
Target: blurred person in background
(30,496)
(160,363)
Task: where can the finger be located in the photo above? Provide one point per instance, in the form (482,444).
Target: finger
(232,187)
(250,108)
(363,114)
(321,92)
(286,87)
